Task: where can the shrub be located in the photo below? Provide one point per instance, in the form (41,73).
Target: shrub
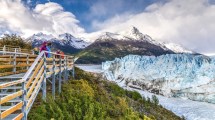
(155,100)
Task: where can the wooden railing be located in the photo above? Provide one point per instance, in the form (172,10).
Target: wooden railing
(15,64)
(17,104)
(17,49)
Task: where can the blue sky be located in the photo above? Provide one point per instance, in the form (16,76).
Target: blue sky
(85,11)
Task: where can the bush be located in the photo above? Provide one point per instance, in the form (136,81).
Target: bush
(155,100)
(134,95)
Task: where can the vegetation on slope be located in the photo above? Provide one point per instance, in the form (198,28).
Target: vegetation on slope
(89,97)
(14,40)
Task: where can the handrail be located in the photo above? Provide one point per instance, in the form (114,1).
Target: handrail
(17,49)
(33,65)
(14,53)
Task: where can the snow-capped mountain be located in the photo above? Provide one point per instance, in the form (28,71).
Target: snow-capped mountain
(65,39)
(173,75)
(108,46)
(177,48)
(131,34)
(40,36)
(65,42)
(134,34)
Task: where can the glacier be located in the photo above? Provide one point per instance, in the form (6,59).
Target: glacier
(184,76)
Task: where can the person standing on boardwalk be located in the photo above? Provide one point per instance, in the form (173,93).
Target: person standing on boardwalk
(62,54)
(36,51)
(48,47)
(58,54)
(43,48)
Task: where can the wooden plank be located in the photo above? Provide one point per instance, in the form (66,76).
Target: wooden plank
(11,110)
(56,59)
(6,59)
(4,85)
(5,56)
(49,74)
(57,65)
(10,97)
(35,91)
(6,66)
(21,71)
(19,117)
(34,83)
(24,56)
(49,66)
(11,46)
(11,73)
(18,65)
(24,60)
(23,65)
(49,59)
(56,71)
(34,73)
(6,73)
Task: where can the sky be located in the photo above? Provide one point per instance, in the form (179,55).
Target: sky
(190,23)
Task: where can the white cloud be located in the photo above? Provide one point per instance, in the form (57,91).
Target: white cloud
(48,18)
(187,22)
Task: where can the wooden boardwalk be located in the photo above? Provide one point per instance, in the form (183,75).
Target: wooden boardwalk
(23,75)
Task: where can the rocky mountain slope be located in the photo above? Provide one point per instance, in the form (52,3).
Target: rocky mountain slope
(111,45)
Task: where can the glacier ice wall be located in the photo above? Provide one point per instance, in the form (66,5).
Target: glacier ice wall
(173,75)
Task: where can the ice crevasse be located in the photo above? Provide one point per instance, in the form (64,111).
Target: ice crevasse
(173,75)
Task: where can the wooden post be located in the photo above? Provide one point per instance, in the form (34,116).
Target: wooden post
(14,68)
(44,81)
(14,63)
(73,69)
(4,49)
(64,65)
(27,61)
(66,68)
(53,77)
(24,111)
(60,79)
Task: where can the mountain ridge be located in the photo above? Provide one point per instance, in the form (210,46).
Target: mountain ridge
(111,45)
(65,42)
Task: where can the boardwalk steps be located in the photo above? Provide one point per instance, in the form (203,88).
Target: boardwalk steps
(23,75)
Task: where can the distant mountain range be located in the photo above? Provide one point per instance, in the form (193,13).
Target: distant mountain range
(108,45)
(65,42)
